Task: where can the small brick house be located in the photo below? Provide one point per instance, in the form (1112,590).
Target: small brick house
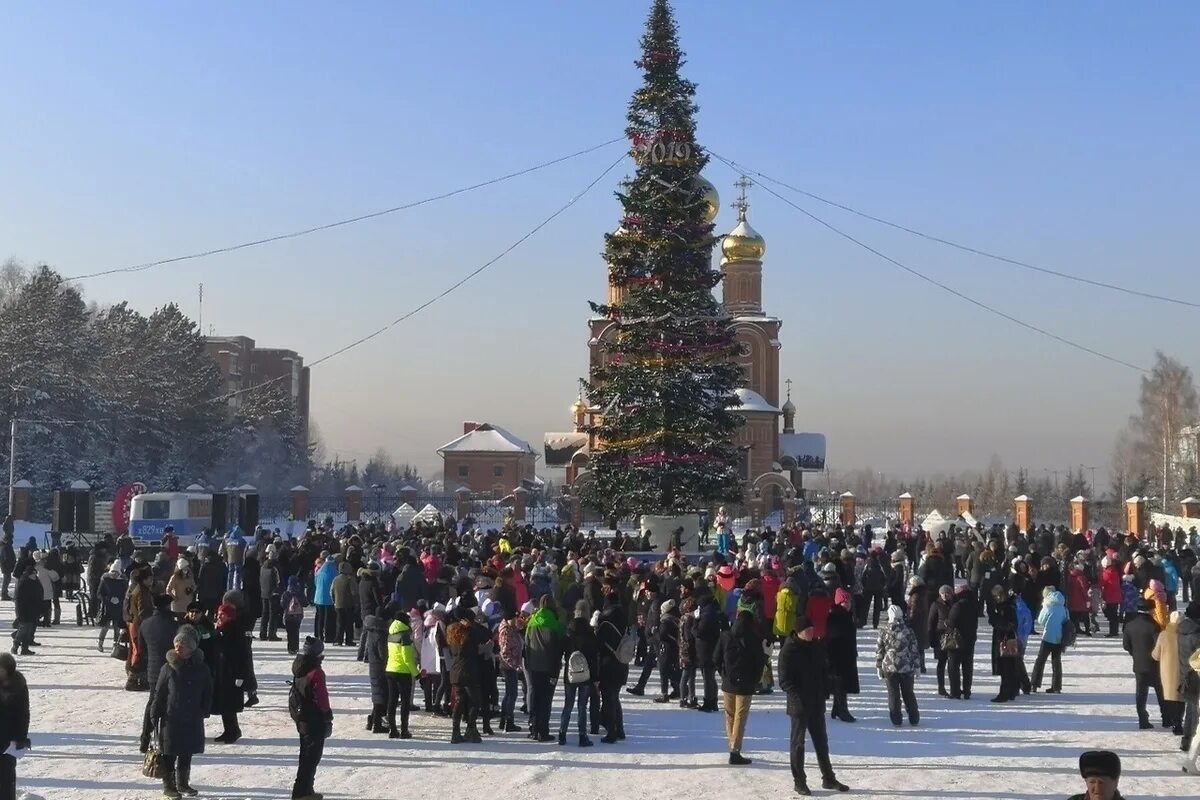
(487,460)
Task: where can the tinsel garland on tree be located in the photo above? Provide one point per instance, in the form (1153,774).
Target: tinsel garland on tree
(663,395)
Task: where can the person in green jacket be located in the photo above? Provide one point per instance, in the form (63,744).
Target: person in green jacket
(402,667)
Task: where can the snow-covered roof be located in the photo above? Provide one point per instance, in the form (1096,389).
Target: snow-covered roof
(964,497)
(427,514)
(408,487)
(22,484)
(906,496)
(81,485)
(1079,499)
(404,515)
(487,438)
(245,487)
(848,494)
(1189,500)
(299,488)
(354,487)
(195,487)
(1022,499)
(753,401)
(1135,499)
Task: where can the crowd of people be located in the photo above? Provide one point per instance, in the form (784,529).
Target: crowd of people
(488,628)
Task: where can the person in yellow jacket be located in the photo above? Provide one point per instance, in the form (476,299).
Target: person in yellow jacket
(402,668)
(785,611)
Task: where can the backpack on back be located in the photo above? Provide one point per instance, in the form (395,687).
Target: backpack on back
(298,700)
(626,649)
(577,668)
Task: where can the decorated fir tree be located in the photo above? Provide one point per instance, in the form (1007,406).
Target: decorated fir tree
(665,383)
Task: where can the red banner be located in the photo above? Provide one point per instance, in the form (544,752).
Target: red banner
(121,503)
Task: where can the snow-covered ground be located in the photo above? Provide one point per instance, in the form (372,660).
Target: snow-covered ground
(85,727)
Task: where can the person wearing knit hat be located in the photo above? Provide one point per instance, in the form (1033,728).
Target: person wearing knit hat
(802,675)
(232,672)
(1101,773)
(897,659)
(740,658)
(315,723)
(1140,637)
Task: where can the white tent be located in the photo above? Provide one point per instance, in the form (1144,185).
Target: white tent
(935,524)
(404,515)
(427,514)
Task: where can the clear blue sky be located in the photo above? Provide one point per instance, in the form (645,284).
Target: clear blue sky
(1065,134)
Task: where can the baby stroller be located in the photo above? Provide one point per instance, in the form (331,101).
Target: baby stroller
(84,612)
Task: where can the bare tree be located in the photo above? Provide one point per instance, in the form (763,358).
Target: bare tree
(1167,403)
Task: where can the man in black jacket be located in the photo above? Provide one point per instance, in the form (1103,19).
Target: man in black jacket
(651,601)
(28,599)
(1140,635)
(156,637)
(964,618)
(707,633)
(802,674)
(613,673)
(740,656)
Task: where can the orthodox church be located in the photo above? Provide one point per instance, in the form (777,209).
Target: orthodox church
(772,459)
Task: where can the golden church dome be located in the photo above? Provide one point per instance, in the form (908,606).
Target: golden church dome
(712,200)
(743,243)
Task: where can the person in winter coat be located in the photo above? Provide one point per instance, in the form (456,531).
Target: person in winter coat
(1141,634)
(511,643)
(14,722)
(1078,599)
(544,638)
(1110,594)
(139,605)
(1189,643)
(210,581)
(345,599)
(918,602)
(8,558)
(325,620)
(581,668)
(270,590)
(111,595)
(180,701)
(315,722)
(964,620)
(939,625)
(292,603)
(668,638)
(181,587)
(233,669)
(897,659)
(28,611)
(842,641)
(467,641)
(610,629)
(874,583)
(1051,620)
(1166,653)
(402,670)
(802,676)
(234,549)
(740,656)
(707,635)
(1002,615)
(375,646)
(156,640)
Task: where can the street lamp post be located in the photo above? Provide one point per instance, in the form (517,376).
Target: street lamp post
(12,461)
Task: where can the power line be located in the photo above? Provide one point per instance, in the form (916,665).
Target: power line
(525,237)
(939,284)
(958,245)
(350,220)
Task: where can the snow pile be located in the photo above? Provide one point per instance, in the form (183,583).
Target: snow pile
(85,728)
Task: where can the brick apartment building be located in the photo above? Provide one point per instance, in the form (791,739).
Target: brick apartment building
(244,365)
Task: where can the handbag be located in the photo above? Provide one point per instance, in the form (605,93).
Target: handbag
(951,640)
(120,648)
(1010,648)
(152,766)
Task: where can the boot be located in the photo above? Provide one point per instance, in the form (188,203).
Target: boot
(393,732)
(380,726)
(183,781)
(833,783)
(487,726)
(170,792)
(405,734)
(562,738)
(371,721)
(585,742)
(513,727)
(473,733)
(456,731)
(802,788)
(736,759)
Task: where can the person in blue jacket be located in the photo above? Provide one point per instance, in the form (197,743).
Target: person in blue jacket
(325,624)
(725,540)
(1024,629)
(1051,619)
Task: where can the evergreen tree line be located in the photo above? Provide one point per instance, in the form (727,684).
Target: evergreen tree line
(109,395)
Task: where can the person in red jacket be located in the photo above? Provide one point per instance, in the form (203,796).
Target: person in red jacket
(770,588)
(1110,593)
(1078,600)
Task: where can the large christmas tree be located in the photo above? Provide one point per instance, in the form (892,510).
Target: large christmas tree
(667,377)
